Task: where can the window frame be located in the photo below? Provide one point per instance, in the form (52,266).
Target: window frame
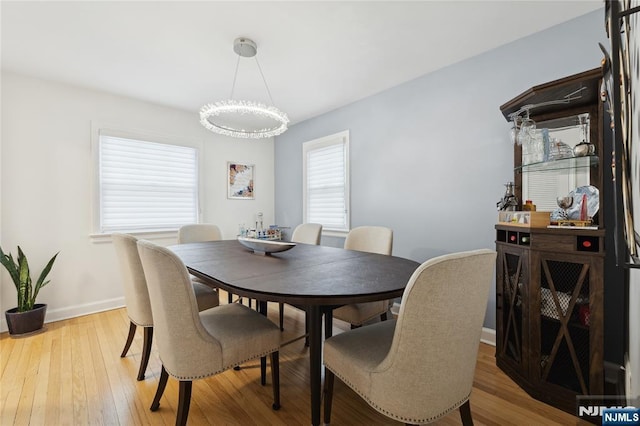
(97,130)
(323,142)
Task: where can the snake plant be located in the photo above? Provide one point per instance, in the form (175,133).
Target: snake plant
(21,277)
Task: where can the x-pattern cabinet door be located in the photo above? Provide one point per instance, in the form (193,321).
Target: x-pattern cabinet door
(512,309)
(566,322)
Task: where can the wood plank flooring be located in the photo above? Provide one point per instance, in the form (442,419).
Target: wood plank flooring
(72,374)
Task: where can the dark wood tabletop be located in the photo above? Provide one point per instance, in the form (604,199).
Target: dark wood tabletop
(304,275)
(316,278)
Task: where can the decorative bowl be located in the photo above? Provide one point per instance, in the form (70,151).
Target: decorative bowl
(265,246)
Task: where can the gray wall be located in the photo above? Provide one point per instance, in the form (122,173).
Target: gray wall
(429,157)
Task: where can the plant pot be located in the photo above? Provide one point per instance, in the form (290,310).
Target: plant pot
(24,323)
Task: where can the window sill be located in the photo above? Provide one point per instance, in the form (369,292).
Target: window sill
(145,235)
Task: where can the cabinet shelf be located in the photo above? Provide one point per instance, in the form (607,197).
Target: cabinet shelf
(571,163)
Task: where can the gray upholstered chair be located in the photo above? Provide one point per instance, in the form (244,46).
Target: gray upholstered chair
(419,368)
(196,345)
(372,239)
(305,233)
(136,296)
(198,232)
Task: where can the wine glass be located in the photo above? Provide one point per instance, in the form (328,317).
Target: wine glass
(527,130)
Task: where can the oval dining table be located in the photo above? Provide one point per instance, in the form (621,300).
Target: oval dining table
(317,278)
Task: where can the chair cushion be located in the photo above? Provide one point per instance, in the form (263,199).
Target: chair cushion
(242,333)
(206,296)
(359,313)
(356,353)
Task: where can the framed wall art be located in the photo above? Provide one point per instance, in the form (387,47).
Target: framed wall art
(240,179)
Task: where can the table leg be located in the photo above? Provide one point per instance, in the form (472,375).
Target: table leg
(261,306)
(315,361)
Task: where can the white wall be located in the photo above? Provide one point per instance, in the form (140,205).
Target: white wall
(46,173)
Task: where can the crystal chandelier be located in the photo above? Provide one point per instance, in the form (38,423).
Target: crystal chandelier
(244,119)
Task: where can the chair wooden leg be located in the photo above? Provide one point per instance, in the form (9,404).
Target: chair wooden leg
(162,383)
(383,316)
(465,414)
(146,351)
(184,401)
(281,306)
(263,370)
(275,379)
(328,394)
(127,345)
(229,298)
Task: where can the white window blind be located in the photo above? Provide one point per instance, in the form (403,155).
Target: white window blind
(326,182)
(146,185)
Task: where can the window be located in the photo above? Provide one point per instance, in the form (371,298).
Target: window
(145,186)
(326,182)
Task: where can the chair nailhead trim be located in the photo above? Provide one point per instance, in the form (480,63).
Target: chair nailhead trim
(202,376)
(394,416)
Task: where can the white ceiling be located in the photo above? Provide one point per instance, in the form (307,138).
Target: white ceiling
(316,56)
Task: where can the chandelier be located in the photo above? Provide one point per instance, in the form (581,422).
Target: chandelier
(244,119)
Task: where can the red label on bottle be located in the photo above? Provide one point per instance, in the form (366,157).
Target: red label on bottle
(586,244)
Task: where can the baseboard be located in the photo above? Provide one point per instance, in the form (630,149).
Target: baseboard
(75,311)
(488,336)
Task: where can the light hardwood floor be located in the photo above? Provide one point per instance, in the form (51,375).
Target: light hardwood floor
(72,374)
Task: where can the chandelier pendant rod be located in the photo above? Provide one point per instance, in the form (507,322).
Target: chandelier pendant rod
(264,80)
(235,76)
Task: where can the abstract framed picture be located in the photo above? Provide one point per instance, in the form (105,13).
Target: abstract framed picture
(240,179)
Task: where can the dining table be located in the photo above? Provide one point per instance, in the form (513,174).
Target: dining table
(314,277)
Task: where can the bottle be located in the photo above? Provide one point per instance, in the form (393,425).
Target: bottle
(529,206)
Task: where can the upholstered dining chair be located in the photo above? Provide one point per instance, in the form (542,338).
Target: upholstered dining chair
(306,233)
(198,233)
(137,297)
(420,367)
(372,239)
(196,345)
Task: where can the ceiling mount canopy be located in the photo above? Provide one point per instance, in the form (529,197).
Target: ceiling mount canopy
(240,118)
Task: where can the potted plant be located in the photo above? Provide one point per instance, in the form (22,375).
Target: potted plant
(28,316)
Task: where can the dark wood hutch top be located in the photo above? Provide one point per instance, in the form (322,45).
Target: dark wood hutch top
(562,114)
(557,90)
